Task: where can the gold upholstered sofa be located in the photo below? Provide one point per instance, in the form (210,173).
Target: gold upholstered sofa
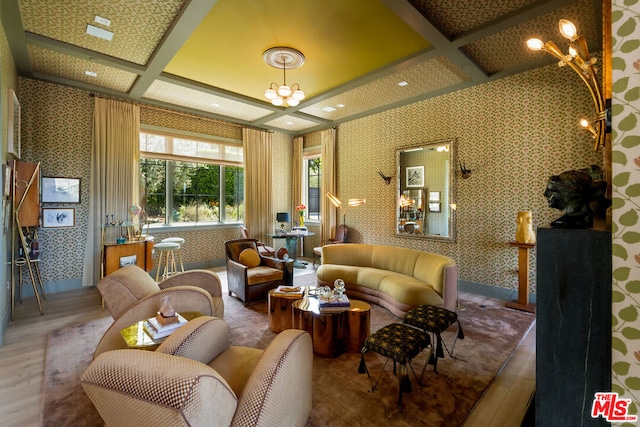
(396,278)
(195,378)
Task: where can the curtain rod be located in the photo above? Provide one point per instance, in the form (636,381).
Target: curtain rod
(168,110)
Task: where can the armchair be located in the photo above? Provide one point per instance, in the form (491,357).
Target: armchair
(250,275)
(132,295)
(196,378)
(262,248)
(340,237)
(130,284)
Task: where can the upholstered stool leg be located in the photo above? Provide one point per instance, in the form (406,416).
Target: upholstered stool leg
(399,343)
(435,320)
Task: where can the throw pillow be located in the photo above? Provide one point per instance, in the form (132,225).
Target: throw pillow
(249,257)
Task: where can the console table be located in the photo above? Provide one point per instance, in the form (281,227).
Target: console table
(523,278)
(291,241)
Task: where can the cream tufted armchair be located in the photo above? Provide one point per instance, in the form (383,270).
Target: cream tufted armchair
(195,378)
(132,295)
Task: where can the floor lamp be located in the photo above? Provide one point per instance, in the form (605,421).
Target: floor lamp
(353,203)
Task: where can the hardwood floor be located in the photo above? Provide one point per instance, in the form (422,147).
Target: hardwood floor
(23,354)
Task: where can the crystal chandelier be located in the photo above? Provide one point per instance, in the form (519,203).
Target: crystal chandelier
(283,57)
(581,62)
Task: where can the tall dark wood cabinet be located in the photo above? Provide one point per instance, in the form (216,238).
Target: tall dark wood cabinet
(573,325)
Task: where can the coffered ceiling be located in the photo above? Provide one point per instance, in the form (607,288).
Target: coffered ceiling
(205,56)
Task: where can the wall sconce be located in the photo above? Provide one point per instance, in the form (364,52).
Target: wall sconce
(466,173)
(579,61)
(387,179)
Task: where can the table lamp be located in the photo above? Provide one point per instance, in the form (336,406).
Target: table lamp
(282,217)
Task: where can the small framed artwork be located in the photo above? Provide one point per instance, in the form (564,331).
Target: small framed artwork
(128,260)
(434,206)
(60,190)
(13,124)
(7,172)
(58,217)
(434,196)
(415,176)
(6,209)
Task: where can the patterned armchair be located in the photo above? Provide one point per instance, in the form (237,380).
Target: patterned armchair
(196,378)
(132,295)
(250,275)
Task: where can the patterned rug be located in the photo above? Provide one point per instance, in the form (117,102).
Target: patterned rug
(341,396)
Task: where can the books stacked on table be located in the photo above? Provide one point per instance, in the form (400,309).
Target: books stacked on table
(334,303)
(289,290)
(156,331)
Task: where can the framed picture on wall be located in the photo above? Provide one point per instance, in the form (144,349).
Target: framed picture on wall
(434,196)
(7,172)
(13,125)
(415,176)
(434,206)
(58,217)
(60,190)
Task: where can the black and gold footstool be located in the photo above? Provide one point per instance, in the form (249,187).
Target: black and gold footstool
(435,320)
(400,343)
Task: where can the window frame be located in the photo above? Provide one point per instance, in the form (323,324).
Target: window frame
(308,154)
(171,158)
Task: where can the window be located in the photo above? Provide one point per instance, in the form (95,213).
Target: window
(312,184)
(190,180)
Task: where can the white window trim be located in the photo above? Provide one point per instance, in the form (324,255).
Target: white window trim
(309,153)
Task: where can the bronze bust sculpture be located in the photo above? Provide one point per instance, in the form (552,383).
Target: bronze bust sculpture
(579,197)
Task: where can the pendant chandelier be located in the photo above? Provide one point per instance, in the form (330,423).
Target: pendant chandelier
(284,57)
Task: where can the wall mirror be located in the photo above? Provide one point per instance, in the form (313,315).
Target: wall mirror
(425,178)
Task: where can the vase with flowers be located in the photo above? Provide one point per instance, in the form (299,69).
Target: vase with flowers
(301,209)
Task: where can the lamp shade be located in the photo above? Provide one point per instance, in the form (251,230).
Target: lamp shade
(282,217)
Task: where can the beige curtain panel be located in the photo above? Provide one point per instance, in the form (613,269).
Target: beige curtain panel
(327,210)
(115,171)
(258,211)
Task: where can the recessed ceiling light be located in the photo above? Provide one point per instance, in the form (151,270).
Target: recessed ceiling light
(91,73)
(328,109)
(403,83)
(99,32)
(104,21)
(340,105)
(213,104)
(289,123)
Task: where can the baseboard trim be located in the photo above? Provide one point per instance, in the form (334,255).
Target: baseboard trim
(492,291)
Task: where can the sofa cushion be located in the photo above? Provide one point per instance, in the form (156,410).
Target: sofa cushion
(235,365)
(409,290)
(263,274)
(249,258)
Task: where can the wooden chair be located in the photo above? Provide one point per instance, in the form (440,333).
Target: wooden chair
(340,237)
(262,248)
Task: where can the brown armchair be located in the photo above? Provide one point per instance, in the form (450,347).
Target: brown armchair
(340,237)
(250,275)
(195,378)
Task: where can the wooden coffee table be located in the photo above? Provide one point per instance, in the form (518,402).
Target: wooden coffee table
(333,332)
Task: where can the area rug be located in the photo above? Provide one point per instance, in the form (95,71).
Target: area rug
(341,396)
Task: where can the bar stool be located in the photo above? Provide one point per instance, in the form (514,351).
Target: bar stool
(167,251)
(180,241)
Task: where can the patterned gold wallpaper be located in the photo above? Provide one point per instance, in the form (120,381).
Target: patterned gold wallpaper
(513,133)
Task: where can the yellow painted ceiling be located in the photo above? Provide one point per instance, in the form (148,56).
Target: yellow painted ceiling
(341,40)
(204,57)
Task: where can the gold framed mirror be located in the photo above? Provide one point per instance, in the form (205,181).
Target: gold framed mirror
(425,190)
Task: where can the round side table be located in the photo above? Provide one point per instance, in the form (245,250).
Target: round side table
(280,313)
